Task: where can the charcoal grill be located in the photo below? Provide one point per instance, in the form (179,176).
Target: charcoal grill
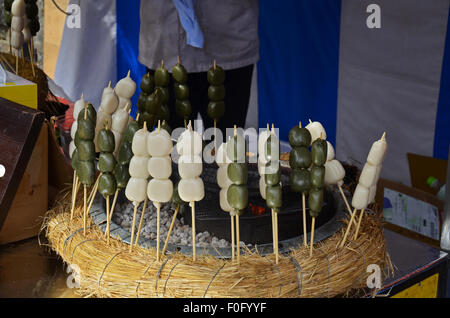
(255,228)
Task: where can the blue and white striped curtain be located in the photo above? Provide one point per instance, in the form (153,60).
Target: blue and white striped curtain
(319,61)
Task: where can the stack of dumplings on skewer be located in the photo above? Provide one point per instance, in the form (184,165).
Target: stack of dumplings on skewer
(84,141)
(121,170)
(107,184)
(162,79)
(190,187)
(317,177)
(366,189)
(108,106)
(335,173)
(73,153)
(124,89)
(160,188)
(183,107)
(136,189)
(300,161)
(17,26)
(237,194)
(272,177)
(224,183)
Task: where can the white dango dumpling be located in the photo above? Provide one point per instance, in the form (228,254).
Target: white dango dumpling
(221,157)
(191,189)
(26,34)
(159,143)
(138,167)
(126,87)
(330,151)
(102,119)
(139,144)
(360,198)
(109,103)
(334,172)
(190,166)
(223,198)
(73,129)
(120,119)
(262,139)
(316,130)
(78,106)
(190,143)
(117,139)
(107,90)
(377,177)
(377,152)
(123,102)
(368,175)
(72,148)
(372,193)
(136,190)
(262,187)
(17,39)
(17,23)
(160,167)
(160,190)
(222,177)
(18,8)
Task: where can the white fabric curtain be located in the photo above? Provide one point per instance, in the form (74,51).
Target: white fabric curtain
(87,56)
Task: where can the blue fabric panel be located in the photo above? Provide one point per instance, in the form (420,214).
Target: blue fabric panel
(442,128)
(298,67)
(128,24)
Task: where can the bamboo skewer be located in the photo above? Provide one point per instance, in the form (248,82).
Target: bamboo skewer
(215,136)
(141,222)
(359,224)
(348,228)
(10,46)
(91,196)
(312,237)
(7,63)
(192,204)
(170,229)
(305,231)
(17,61)
(133,225)
(23,55)
(232,236)
(74,186)
(158,228)
(108,220)
(31,61)
(346,202)
(275,222)
(84,210)
(114,204)
(74,201)
(238,241)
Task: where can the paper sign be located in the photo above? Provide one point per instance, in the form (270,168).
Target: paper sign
(413,214)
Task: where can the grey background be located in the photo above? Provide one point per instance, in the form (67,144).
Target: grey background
(389,80)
